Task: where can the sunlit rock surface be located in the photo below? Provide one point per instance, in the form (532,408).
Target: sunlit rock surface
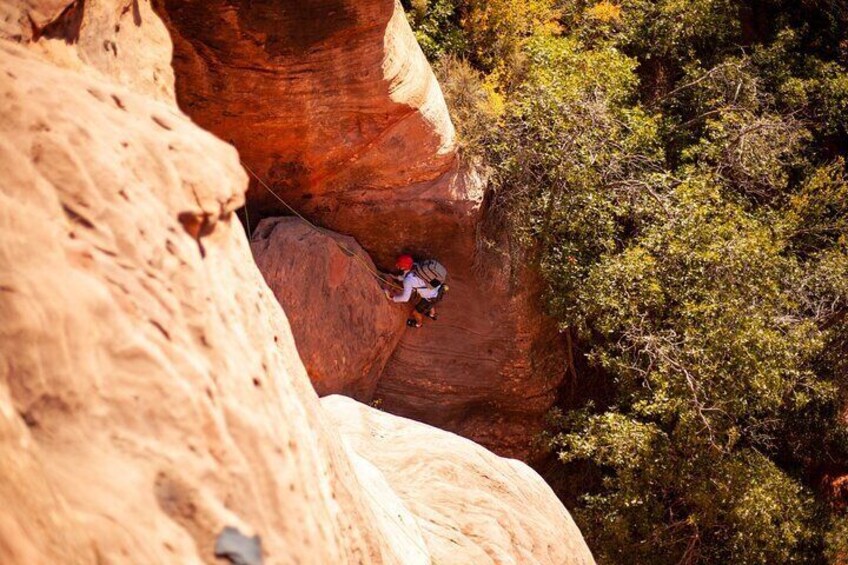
(150,388)
(493,510)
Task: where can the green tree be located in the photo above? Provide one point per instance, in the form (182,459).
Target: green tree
(676,171)
(697,323)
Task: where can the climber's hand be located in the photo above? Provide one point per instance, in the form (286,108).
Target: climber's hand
(388,293)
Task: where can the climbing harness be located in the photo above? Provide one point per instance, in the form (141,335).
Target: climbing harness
(349,252)
(442,289)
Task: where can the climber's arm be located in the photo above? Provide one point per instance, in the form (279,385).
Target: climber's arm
(407,291)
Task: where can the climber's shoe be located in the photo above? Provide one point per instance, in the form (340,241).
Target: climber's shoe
(432,315)
(412,323)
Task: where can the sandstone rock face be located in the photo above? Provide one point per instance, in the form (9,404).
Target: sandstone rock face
(322,97)
(344,327)
(481,371)
(150,390)
(496,511)
(332,103)
(125,41)
(334,106)
(487,369)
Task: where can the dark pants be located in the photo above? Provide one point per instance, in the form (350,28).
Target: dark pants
(424,305)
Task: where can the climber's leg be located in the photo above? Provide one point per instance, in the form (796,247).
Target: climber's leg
(416,319)
(424,306)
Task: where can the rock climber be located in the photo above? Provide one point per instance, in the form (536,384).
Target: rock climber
(427,280)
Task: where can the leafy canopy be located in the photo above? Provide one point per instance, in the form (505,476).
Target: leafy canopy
(676,171)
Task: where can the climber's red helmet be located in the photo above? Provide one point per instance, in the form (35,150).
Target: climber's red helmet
(404,262)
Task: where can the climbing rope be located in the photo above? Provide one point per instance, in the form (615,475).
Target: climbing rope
(247,219)
(347,251)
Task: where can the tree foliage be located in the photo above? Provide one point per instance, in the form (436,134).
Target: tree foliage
(678,168)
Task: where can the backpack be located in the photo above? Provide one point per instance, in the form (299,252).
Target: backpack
(432,272)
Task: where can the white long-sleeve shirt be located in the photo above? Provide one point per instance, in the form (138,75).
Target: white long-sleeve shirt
(412,282)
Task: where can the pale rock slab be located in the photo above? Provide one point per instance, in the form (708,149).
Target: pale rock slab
(470,505)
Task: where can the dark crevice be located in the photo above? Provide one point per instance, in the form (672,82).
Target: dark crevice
(66,26)
(77,218)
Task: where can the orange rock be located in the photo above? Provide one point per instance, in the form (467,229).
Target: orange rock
(123,41)
(489,367)
(344,327)
(322,97)
(150,389)
(334,105)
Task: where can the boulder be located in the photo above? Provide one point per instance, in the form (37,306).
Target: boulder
(344,327)
(494,510)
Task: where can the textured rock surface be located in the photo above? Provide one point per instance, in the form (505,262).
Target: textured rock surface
(495,511)
(150,390)
(343,326)
(487,369)
(125,41)
(334,105)
(322,97)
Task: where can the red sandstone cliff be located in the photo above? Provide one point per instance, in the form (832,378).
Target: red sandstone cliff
(344,327)
(334,105)
(150,389)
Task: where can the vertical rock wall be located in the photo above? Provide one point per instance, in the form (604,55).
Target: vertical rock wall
(150,389)
(324,97)
(334,105)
